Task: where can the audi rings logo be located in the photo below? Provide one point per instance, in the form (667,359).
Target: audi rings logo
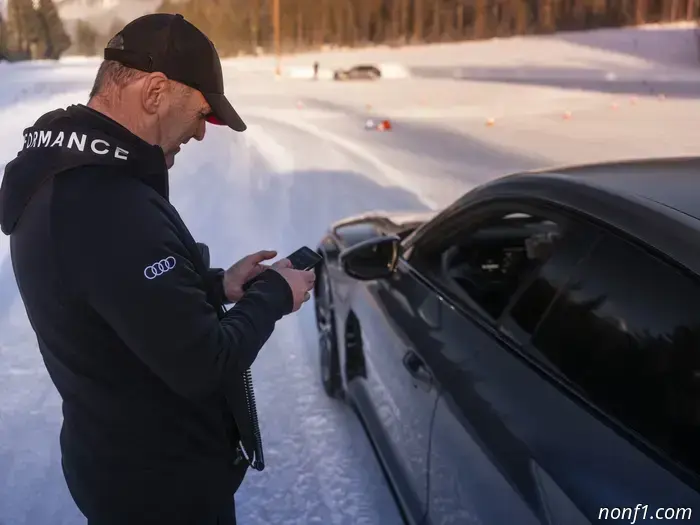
(159,268)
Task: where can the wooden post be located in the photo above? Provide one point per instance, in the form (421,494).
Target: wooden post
(418,20)
(276,25)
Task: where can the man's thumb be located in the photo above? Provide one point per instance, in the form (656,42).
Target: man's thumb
(283,263)
(264,255)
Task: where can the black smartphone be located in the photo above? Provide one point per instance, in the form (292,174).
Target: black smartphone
(304,258)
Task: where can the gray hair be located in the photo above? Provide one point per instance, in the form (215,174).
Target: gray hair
(112,77)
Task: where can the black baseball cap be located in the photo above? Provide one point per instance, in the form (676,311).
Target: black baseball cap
(171,45)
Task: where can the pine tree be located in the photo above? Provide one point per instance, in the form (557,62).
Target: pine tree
(223,23)
(546,16)
(114,28)
(24,30)
(3,39)
(55,36)
(641,11)
(86,39)
(13,27)
(167,6)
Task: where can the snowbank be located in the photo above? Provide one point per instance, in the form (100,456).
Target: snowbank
(394,70)
(306,73)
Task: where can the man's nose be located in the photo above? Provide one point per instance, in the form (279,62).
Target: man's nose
(201,131)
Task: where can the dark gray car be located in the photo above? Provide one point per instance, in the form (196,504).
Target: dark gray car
(531,354)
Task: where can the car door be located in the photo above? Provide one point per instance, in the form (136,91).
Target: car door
(481,468)
(400,319)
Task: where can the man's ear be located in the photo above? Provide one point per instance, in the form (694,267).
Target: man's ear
(153,92)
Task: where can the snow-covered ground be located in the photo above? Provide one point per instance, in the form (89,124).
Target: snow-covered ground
(307,160)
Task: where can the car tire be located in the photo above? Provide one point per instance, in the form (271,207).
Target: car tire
(327,337)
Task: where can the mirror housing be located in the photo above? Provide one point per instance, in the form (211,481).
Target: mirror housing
(374,258)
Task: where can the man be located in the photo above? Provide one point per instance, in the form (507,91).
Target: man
(129,319)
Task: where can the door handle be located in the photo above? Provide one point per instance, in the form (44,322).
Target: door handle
(416,367)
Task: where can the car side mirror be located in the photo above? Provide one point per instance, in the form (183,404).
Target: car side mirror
(374,258)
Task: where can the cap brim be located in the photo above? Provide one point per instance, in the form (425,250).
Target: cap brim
(223,112)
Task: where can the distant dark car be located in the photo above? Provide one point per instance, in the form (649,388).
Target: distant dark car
(365,72)
(530,354)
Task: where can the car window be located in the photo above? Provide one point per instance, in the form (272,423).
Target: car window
(531,303)
(486,261)
(625,332)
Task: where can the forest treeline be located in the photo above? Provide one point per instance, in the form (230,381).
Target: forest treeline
(248,26)
(33,28)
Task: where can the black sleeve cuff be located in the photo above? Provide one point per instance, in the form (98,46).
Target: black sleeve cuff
(215,282)
(272,282)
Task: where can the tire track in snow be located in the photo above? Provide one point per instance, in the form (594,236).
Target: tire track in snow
(32,489)
(388,173)
(240,198)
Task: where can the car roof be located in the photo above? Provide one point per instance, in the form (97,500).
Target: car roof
(670,182)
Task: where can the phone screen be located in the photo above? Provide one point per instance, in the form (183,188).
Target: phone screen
(304,258)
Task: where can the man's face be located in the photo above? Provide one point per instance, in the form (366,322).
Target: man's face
(183,119)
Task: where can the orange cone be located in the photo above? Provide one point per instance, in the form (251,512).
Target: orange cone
(490,122)
(567,115)
(384,125)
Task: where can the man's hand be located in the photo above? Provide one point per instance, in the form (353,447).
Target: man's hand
(300,281)
(243,271)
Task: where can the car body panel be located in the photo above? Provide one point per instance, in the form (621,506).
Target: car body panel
(401,427)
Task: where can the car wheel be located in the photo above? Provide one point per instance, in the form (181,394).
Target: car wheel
(327,337)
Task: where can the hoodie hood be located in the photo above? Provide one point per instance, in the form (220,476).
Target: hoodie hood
(70,138)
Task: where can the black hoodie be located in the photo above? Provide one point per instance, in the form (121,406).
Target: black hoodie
(129,321)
